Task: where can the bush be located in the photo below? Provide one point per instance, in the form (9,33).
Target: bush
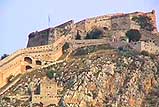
(51,74)
(4,56)
(133,35)
(65,47)
(145,53)
(94,34)
(144,22)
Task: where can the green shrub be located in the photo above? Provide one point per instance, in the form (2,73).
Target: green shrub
(51,74)
(144,22)
(133,35)
(94,34)
(145,53)
(65,47)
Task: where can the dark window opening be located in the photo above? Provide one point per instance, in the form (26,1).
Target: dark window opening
(28,67)
(105,28)
(28,59)
(38,62)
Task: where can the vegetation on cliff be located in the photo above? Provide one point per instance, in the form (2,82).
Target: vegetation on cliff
(99,78)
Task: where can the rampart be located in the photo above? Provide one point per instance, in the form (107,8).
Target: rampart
(28,58)
(113,22)
(50,35)
(78,43)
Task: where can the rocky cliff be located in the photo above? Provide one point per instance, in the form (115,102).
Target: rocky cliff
(93,76)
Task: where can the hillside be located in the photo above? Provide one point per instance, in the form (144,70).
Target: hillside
(92,76)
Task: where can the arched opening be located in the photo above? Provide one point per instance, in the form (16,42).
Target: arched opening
(28,59)
(28,67)
(38,62)
(105,28)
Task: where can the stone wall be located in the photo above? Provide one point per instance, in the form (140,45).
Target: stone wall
(107,23)
(121,22)
(78,43)
(38,38)
(148,46)
(151,15)
(48,93)
(15,63)
(80,28)
(50,35)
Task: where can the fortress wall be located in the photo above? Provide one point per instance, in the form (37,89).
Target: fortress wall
(145,46)
(37,49)
(87,25)
(1,79)
(38,38)
(52,36)
(63,29)
(15,64)
(10,57)
(120,23)
(59,41)
(12,68)
(134,25)
(78,43)
(57,54)
(147,35)
(25,51)
(117,34)
(152,15)
(80,25)
(80,28)
(98,23)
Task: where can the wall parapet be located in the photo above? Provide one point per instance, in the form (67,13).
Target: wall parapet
(26,51)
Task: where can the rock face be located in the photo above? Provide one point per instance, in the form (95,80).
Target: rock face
(103,78)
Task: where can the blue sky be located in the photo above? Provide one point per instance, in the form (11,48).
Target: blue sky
(20,17)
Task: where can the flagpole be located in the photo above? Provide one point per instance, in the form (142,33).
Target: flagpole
(48,21)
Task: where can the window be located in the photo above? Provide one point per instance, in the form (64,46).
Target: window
(105,28)
(38,62)
(28,67)
(28,59)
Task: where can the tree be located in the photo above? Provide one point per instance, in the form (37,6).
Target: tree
(4,56)
(65,47)
(133,35)
(94,34)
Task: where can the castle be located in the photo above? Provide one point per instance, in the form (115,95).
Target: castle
(47,46)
